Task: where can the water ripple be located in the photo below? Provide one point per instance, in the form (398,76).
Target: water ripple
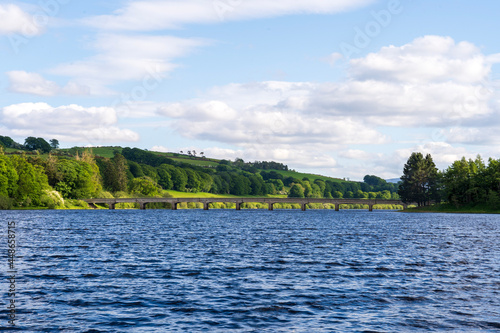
(256,271)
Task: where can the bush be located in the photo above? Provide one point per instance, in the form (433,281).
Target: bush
(51,200)
(5,203)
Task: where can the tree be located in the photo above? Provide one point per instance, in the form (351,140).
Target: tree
(296,191)
(8,177)
(31,181)
(78,179)
(7,142)
(470,181)
(164,178)
(145,186)
(32,143)
(54,143)
(114,173)
(240,185)
(420,180)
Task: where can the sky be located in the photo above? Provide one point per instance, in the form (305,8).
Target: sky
(342,88)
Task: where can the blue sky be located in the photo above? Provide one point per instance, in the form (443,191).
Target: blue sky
(342,88)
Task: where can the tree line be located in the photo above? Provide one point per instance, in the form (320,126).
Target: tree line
(30,144)
(467,182)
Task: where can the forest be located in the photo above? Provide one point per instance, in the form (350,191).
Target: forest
(39,174)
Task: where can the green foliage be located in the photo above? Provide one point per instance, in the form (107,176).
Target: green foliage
(135,169)
(471,182)
(145,186)
(240,185)
(54,143)
(420,180)
(296,191)
(77,179)
(114,173)
(8,177)
(6,203)
(7,142)
(32,143)
(32,180)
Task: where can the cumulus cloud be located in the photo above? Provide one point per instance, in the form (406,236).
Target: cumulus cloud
(159,15)
(71,123)
(282,120)
(472,136)
(427,59)
(35,84)
(423,83)
(276,118)
(443,153)
(13,20)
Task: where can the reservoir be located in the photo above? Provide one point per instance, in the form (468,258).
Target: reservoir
(252,271)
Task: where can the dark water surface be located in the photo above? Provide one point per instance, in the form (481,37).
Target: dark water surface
(253,271)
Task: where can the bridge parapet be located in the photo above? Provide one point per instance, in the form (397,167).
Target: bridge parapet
(239,201)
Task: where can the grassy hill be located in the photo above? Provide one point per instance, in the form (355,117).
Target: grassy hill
(196,161)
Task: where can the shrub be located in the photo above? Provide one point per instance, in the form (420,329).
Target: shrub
(5,203)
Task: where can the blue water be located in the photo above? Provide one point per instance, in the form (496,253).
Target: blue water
(253,271)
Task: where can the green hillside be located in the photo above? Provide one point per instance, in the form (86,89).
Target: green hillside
(42,175)
(109,152)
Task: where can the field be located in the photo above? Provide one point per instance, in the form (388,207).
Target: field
(311,177)
(176,194)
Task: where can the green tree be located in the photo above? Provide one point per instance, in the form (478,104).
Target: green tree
(54,144)
(78,179)
(7,142)
(420,180)
(257,185)
(32,143)
(337,195)
(308,191)
(296,191)
(135,169)
(193,183)
(164,178)
(469,181)
(240,185)
(145,186)
(179,178)
(31,182)
(8,177)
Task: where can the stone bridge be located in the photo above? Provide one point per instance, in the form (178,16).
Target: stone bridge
(238,201)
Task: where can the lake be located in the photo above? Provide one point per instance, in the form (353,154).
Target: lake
(252,271)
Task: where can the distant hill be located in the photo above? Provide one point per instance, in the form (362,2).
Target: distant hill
(393,180)
(137,171)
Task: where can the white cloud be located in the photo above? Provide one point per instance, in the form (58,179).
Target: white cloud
(304,122)
(443,153)
(71,123)
(160,149)
(473,136)
(159,15)
(427,59)
(35,84)
(13,20)
(122,58)
(333,58)
(359,155)
(273,115)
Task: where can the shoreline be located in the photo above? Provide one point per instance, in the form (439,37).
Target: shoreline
(450,209)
